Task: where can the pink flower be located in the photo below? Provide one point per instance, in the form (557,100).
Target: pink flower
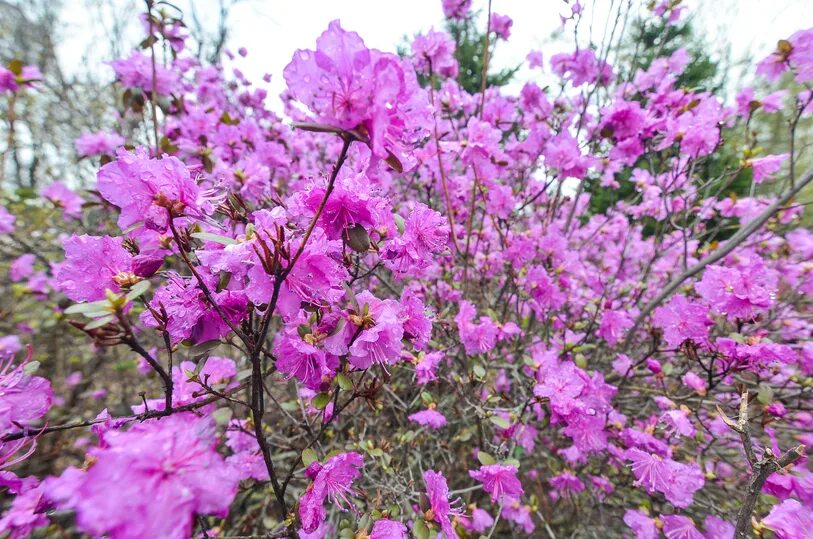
(501,25)
(426,234)
(581,67)
(426,365)
(22,267)
(330,481)
(438,493)
(499,481)
(693,381)
(6,221)
(388,529)
(348,86)
(789,520)
(297,358)
(99,143)
(680,527)
(380,342)
(417,320)
(456,9)
(613,325)
(643,526)
(717,528)
(433,52)
(92,265)
(137,72)
(23,398)
(678,482)
(477,338)
(736,293)
(430,418)
(62,197)
(189,316)
(27,513)
(151,191)
(149,481)
(682,320)
(765,167)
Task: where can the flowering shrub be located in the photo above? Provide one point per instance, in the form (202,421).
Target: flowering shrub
(396,313)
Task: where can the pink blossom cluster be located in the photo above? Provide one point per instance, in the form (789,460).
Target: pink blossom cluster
(400,314)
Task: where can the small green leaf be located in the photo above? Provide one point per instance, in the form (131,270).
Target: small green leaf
(320,401)
(399,222)
(500,421)
(309,456)
(420,530)
(344,381)
(216,238)
(485,458)
(82,308)
(31,367)
(137,289)
(479,371)
(99,322)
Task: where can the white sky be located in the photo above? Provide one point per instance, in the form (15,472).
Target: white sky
(272,29)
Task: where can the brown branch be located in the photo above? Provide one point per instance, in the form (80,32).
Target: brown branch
(761,469)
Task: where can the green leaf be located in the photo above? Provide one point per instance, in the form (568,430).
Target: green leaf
(479,371)
(216,238)
(485,458)
(137,289)
(399,222)
(99,322)
(82,308)
(420,530)
(320,401)
(500,421)
(31,367)
(309,456)
(344,381)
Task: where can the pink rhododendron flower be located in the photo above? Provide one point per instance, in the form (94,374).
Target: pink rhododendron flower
(99,143)
(499,481)
(678,482)
(174,457)
(388,529)
(348,86)
(6,221)
(433,52)
(789,520)
(643,526)
(23,398)
(765,167)
(151,191)
(501,25)
(136,71)
(430,418)
(92,265)
(456,9)
(681,319)
(62,197)
(330,481)
(188,315)
(438,493)
(679,527)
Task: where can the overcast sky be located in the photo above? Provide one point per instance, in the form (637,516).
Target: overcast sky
(272,29)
